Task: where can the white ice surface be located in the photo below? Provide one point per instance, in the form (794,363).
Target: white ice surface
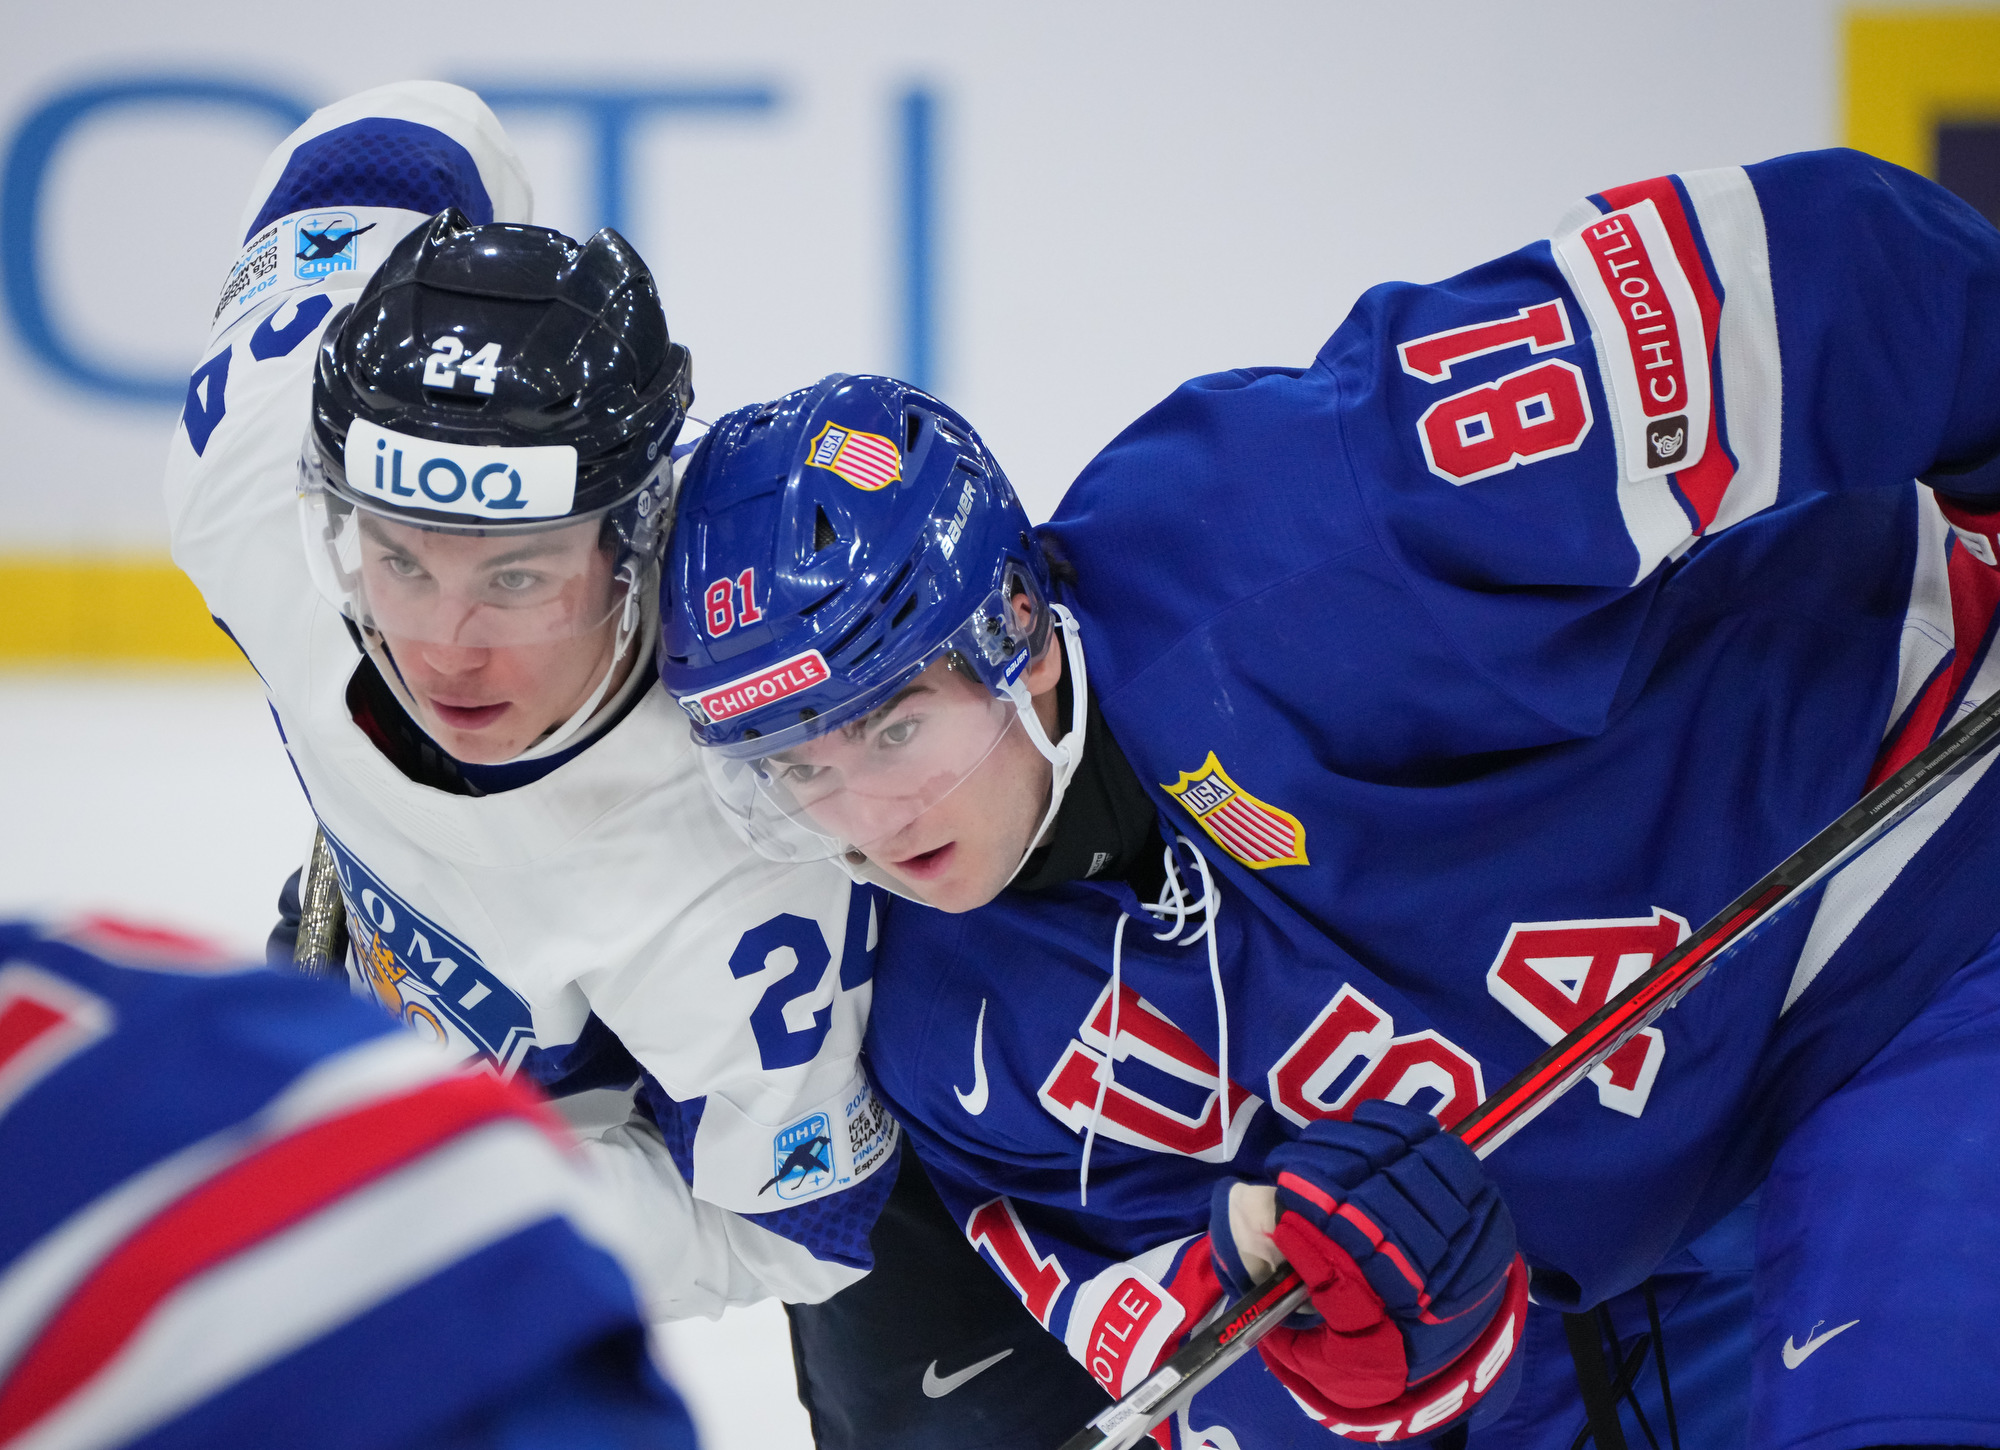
(165,797)
(168,798)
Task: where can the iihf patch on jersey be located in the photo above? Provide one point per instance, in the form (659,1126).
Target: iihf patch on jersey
(871,1132)
(425,975)
(1649,333)
(742,1165)
(1255,832)
(803,1158)
(867,460)
(324,242)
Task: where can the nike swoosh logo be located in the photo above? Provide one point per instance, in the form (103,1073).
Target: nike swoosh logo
(974,1102)
(1795,1355)
(937,1388)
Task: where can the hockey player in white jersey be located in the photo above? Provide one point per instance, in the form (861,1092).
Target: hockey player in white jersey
(421,478)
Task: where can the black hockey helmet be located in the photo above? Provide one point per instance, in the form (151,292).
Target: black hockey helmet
(504,336)
(494,381)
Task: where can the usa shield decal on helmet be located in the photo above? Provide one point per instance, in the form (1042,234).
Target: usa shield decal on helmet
(867,460)
(1255,832)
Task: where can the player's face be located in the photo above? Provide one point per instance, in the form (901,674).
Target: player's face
(954,848)
(499,638)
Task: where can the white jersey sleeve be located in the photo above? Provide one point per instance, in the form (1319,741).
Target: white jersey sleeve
(608,891)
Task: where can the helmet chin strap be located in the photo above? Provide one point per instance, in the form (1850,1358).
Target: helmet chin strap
(637,621)
(1065,755)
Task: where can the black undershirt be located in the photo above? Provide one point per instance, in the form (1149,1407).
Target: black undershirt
(1107,827)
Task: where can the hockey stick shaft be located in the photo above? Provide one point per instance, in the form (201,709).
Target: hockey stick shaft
(322,916)
(1556,1071)
(1622,1018)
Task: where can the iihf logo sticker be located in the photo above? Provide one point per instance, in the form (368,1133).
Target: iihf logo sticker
(324,244)
(802,1156)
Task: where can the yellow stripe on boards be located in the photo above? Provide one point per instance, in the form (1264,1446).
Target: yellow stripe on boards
(70,610)
(1907,70)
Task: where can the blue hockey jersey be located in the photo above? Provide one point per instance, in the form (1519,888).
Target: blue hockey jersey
(1478,661)
(239,1210)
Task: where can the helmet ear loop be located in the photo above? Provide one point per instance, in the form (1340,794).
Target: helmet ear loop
(631,612)
(644,539)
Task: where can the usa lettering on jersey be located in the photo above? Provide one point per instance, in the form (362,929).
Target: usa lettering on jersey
(1553,975)
(1255,832)
(1086,1075)
(1350,1054)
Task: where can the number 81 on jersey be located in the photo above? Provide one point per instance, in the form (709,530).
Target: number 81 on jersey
(1539,412)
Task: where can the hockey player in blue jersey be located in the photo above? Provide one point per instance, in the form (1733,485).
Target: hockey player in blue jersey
(239,1211)
(1355,730)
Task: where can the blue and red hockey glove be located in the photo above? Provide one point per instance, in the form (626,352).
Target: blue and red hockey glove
(1419,1297)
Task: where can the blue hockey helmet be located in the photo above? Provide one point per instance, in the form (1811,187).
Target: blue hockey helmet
(493,379)
(830,547)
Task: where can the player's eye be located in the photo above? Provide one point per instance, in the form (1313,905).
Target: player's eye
(516,581)
(898,732)
(797,773)
(403,566)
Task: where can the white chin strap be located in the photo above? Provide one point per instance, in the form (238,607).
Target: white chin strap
(639,623)
(1065,755)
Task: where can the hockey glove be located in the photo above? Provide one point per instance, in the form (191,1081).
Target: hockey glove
(1409,1254)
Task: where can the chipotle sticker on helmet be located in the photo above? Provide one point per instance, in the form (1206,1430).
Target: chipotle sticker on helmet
(766,687)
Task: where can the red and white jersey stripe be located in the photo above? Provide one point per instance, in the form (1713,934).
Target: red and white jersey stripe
(375,1170)
(1947,667)
(1250,831)
(1736,474)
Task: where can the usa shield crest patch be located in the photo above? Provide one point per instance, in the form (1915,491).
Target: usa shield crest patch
(1255,832)
(867,460)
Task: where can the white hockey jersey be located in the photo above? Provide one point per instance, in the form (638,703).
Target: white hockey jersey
(607,888)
